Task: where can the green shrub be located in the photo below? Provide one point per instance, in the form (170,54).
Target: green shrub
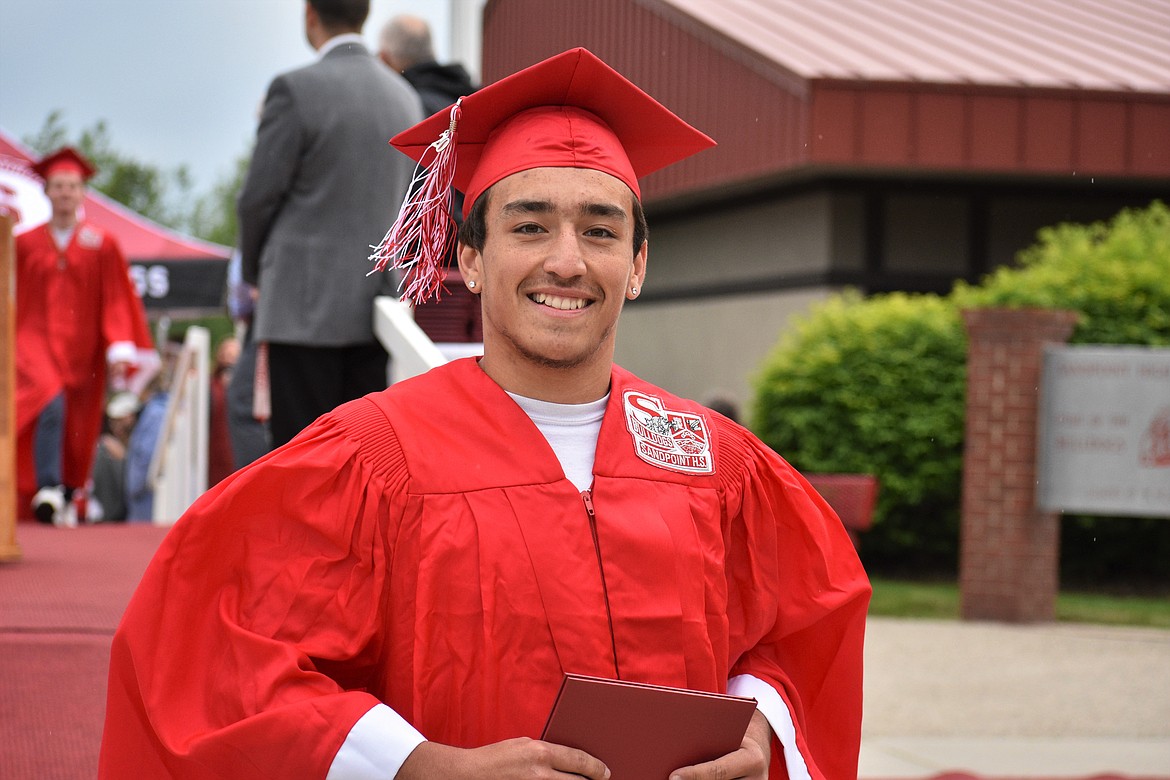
(1116,274)
(876,386)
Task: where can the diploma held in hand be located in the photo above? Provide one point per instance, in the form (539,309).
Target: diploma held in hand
(645,732)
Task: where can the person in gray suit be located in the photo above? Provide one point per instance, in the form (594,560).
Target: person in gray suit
(321,188)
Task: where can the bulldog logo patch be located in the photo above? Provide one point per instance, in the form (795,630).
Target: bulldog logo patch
(679,441)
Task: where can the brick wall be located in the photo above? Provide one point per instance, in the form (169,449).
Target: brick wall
(1009,550)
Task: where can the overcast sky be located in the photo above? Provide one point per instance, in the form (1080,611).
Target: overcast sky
(178,82)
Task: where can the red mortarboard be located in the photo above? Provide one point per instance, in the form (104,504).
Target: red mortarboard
(64,159)
(569,111)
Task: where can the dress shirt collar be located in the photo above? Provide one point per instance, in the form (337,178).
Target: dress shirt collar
(340,40)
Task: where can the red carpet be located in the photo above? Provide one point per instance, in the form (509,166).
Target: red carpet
(59,606)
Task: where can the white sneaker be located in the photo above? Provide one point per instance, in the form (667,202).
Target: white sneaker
(67,517)
(48,504)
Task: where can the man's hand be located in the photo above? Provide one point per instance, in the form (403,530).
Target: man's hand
(750,761)
(513,758)
(118,373)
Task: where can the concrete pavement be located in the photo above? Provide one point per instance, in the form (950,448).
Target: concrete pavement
(998,700)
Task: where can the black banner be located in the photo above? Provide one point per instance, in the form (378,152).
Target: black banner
(180,284)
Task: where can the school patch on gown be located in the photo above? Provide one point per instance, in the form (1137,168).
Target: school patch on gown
(678,441)
(89,238)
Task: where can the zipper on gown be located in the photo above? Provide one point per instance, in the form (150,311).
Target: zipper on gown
(587,499)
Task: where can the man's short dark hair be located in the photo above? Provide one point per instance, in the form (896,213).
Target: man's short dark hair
(473,231)
(342,14)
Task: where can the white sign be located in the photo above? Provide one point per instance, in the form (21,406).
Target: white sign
(1104,444)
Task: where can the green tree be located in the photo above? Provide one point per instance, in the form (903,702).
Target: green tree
(1116,274)
(146,189)
(213,216)
(164,195)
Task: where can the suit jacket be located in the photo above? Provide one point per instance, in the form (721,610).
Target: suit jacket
(323,186)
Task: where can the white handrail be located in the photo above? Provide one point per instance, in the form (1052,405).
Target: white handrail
(178,470)
(411,351)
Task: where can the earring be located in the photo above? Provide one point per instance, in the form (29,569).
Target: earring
(634,291)
(471,283)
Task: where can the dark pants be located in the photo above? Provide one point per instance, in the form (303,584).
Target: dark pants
(307,382)
(48,442)
(249,435)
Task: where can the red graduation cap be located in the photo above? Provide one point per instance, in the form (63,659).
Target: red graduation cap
(569,111)
(65,159)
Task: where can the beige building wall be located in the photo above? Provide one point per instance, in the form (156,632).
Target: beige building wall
(705,345)
(766,241)
(706,348)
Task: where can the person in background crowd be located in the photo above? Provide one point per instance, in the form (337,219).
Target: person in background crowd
(107,499)
(725,406)
(220,461)
(399,591)
(78,322)
(250,437)
(144,439)
(405,46)
(320,185)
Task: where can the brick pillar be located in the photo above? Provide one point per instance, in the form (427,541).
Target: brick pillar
(1009,551)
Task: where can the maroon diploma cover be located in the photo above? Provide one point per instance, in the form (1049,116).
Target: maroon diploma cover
(645,732)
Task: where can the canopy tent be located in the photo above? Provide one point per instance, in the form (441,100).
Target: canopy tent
(172,272)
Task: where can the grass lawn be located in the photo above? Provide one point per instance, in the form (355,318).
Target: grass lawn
(903,598)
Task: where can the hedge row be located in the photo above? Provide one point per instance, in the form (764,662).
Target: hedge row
(877,385)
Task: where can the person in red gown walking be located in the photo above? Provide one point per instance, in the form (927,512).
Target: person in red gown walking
(78,322)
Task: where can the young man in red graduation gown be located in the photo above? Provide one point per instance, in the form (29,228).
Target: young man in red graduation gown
(399,590)
(76,315)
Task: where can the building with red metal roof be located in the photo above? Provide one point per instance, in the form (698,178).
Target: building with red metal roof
(890,145)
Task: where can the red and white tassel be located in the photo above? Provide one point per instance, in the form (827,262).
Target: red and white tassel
(419,242)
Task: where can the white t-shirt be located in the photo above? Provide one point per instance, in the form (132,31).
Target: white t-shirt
(571,430)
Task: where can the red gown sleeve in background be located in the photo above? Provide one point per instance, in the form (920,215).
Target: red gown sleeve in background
(274,580)
(122,316)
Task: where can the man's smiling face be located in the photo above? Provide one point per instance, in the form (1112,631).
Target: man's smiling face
(556,267)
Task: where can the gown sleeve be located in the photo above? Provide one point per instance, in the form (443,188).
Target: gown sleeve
(797,601)
(121,307)
(247,647)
